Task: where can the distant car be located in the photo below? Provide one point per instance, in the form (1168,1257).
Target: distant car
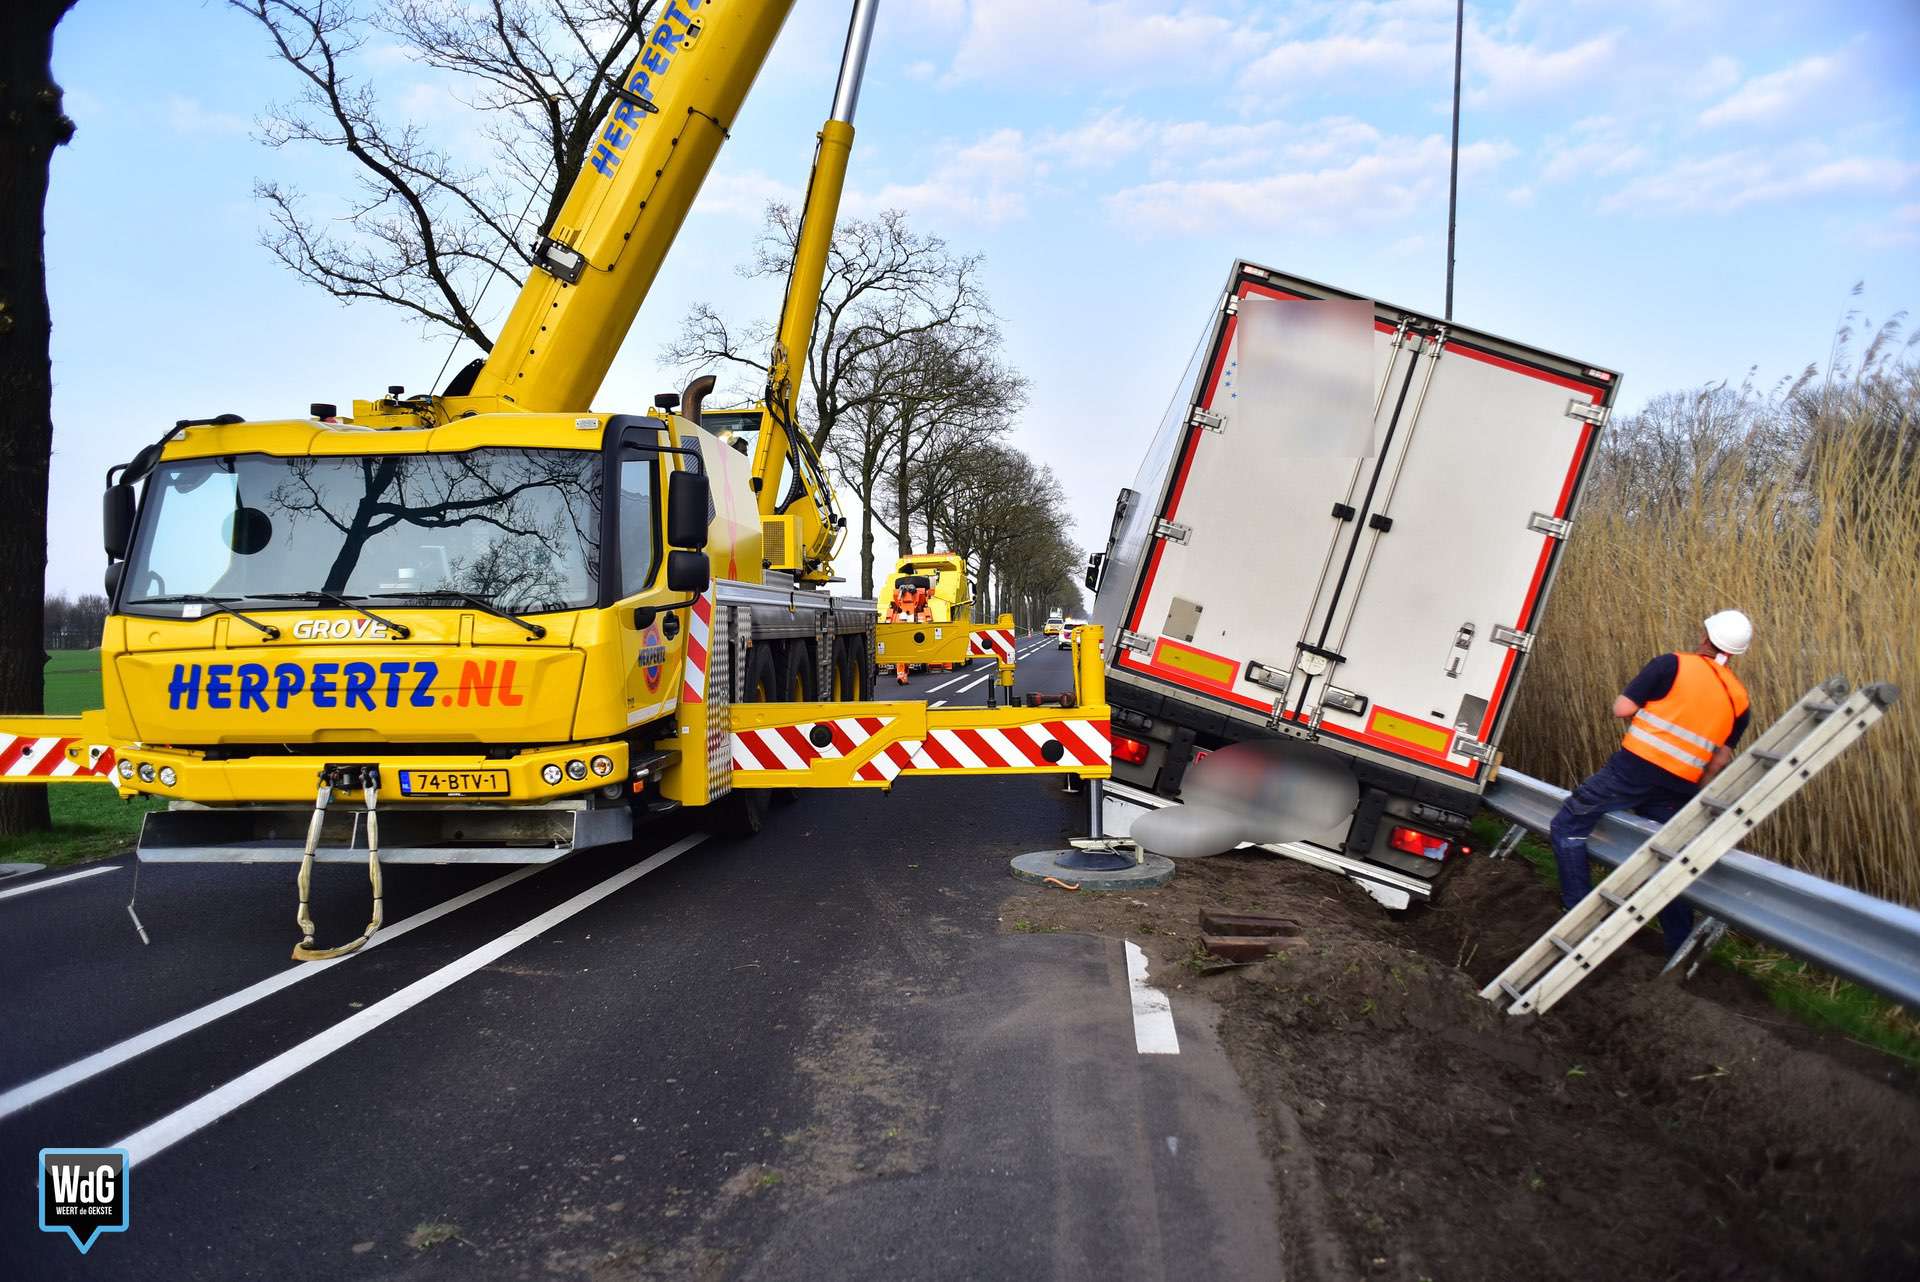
(1067,628)
(1052,627)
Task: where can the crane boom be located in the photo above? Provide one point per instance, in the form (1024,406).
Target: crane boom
(594,266)
(806,502)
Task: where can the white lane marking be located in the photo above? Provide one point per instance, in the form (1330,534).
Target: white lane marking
(944,684)
(30,1093)
(1152,1013)
(56,881)
(976,681)
(150,1141)
(938,703)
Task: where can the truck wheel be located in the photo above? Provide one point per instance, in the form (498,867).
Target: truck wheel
(743,813)
(797,683)
(797,680)
(852,681)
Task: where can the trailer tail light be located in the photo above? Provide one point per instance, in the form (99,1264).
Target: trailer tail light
(1131,751)
(1414,842)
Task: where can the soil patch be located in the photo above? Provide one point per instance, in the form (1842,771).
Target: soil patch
(1641,1129)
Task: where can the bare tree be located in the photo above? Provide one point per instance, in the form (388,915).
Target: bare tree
(884,283)
(32,124)
(954,394)
(427,230)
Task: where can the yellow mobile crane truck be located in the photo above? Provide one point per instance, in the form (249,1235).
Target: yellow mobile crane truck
(496,625)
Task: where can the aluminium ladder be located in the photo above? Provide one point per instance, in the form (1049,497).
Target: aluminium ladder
(1825,721)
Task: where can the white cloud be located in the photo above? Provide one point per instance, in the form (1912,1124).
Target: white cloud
(981,182)
(189,116)
(1596,147)
(1776,94)
(1897,230)
(1074,39)
(744,195)
(1755,176)
(1400,177)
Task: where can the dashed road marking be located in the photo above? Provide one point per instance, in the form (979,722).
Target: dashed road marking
(1153,1032)
(30,887)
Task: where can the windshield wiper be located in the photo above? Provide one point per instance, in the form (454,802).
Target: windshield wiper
(400,630)
(475,599)
(220,603)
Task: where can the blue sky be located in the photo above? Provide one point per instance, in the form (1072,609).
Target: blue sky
(1679,190)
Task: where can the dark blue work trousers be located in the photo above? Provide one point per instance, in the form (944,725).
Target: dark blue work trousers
(1602,792)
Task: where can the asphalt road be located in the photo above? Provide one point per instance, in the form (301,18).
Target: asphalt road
(815,1054)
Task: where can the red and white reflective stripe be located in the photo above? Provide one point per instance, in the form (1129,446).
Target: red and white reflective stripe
(992,643)
(1017,747)
(888,762)
(46,758)
(693,684)
(793,747)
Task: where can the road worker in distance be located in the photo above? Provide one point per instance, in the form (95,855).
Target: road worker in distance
(909,605)
(1684,713)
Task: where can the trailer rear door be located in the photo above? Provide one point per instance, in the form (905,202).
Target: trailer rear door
(1384,603)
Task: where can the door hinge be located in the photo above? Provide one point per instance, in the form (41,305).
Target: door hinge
(1135,642)
(1554,527)
(1466,745)
(1587,412)
(1172,531)
(1504,635)
(1207,419)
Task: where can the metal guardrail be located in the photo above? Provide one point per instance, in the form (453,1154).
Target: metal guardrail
(1870,941)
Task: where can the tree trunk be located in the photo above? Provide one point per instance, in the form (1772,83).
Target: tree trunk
(866,549)
(31,126)
(901,495)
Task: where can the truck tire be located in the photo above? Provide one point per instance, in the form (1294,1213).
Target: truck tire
(797,682)
(853,675)
(744,813)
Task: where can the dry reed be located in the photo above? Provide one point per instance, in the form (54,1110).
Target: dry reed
(1801,507)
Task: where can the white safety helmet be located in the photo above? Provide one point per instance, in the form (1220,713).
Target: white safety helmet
(1730,631)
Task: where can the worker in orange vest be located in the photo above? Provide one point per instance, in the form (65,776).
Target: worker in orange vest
(909,606)
(1684,713)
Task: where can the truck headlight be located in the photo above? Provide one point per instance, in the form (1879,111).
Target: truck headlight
(126,768)
(168,777)
(576,769)
(551,773)
(603,765)
(146,772)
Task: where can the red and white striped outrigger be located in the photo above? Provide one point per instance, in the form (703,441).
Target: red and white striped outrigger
(56,749)
(870,745)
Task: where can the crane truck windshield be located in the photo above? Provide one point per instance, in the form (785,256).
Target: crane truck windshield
(517,527)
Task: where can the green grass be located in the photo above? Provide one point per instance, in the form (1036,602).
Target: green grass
(90,821)
(1812,996)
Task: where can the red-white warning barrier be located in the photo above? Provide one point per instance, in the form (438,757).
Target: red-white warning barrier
(991,643)
(30,757)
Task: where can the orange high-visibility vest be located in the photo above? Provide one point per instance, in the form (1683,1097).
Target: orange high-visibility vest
(1680,730)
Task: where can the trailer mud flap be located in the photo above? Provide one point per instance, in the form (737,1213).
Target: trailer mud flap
(56,749)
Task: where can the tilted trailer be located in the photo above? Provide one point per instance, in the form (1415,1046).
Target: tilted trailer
(1344,533)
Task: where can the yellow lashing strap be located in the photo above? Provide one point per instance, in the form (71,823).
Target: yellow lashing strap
(369,780)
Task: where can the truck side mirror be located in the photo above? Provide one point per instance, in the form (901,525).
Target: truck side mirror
(116,520)
(1095,564)
(688,500)
(688,571)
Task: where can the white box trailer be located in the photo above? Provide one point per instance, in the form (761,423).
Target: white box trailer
(1344,532)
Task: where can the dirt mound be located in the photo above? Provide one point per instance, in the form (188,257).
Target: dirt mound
(1641,1129)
